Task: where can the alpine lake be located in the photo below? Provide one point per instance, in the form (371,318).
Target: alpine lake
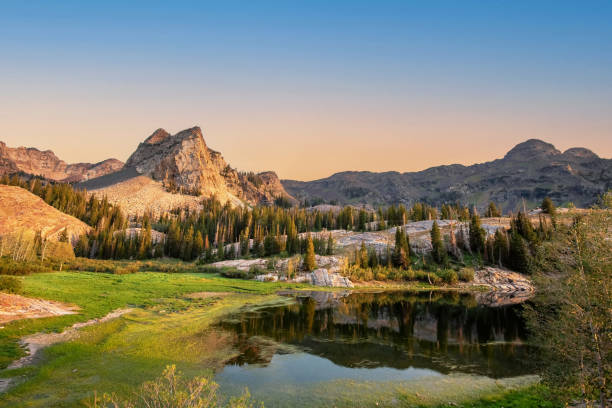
(388,348)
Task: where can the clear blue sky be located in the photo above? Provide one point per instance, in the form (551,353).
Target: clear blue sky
(344,85)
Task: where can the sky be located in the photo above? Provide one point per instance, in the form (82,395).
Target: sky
(308,88)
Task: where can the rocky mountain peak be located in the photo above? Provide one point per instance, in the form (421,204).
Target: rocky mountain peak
(531,149)
(157,136)
(183,163)
(579,153)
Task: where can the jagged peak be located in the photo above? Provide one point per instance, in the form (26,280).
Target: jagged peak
(157,136)
(530,149)
(191,132)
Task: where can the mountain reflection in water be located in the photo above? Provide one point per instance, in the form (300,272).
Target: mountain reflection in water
(443,332)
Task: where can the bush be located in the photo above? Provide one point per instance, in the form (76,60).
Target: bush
(466,274)
(173,390)
(448,276)
(126,270)
(236,273)
(10,284)
(10,267)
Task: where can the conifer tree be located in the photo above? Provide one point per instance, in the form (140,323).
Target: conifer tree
(401,252)
(548,207)
(221,251)
(330,245)
(198,246)
(310,262)
(438,251)
(477,235)
(373,260)
(520,257)
(363,255)
(187,245)
(492,211)
(501,248)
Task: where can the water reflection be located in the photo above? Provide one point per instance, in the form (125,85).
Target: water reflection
(443,332)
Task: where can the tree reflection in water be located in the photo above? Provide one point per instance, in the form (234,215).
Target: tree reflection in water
(445,332)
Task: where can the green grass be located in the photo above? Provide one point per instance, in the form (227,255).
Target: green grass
(98,294)
(535,396)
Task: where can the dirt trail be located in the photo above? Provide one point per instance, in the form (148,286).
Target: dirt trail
(34,343)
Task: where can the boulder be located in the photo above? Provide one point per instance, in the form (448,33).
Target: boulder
(322,277)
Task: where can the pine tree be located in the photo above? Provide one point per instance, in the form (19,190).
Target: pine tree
(501,248)
(208,250)
(548,207)
(373,260)
(330,245)
(187,245)
(363,255)
(492,211)
(401,252)
(520,257)
(310,262)
(477,235)
(198,246)
(522,225)
(438,251)
(221,251)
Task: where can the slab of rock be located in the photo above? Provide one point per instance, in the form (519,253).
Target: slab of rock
(15,307)
(507,287)
(241,264)
(321,277)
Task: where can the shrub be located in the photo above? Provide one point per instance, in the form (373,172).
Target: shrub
(255,270)
(10,267)
(466,274)
(10,284)
(126,270)
(208,269)
(448,276)
(172,390)
(235,273)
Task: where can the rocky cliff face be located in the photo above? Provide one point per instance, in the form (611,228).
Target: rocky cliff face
(184,163)
(531,170)
(47,164)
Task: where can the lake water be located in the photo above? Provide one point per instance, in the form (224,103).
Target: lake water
(371,341)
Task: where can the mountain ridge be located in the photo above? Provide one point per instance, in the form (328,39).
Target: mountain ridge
(530,170)
(45,163)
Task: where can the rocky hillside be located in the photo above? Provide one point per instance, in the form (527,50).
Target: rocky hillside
(21,210)
(45,163)
(531,170)
(184,164)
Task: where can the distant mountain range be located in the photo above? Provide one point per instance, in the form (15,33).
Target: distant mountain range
(532,170)
(183,164)
(46,164)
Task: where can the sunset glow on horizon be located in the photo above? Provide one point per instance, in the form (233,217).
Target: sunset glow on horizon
(308,89)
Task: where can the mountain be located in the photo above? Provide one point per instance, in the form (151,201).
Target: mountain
(21,210)
(531,170)
(48,165)
(184,165)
